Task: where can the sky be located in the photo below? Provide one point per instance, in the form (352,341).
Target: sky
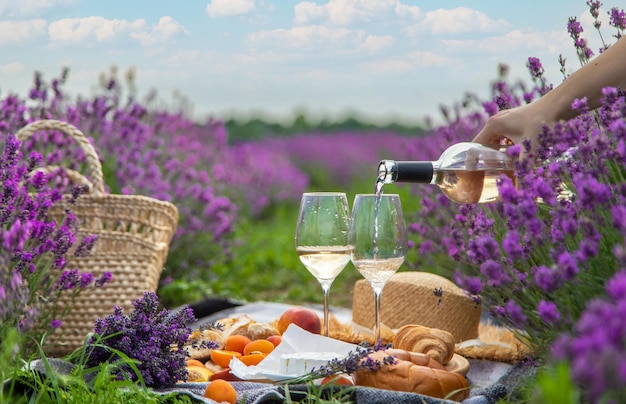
(381,60)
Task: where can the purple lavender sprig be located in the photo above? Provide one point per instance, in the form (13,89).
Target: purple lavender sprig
(153,337)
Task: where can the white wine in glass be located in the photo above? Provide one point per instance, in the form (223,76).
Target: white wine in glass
(379,240)
(322,238)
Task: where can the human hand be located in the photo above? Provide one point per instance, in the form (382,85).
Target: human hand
(515,125)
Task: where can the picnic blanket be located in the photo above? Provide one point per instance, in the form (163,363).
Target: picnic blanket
(490,380)
(264,393)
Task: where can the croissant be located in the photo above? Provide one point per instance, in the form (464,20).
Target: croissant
(413,375)
(436,343)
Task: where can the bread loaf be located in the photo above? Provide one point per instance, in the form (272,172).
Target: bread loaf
(436,343)
(246,326)
(198,343)
(414,375)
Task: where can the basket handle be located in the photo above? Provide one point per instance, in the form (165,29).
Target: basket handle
(94,167)
(74,176)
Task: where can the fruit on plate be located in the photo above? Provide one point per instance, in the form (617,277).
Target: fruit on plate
(236,343)
(222,358)
(252,359)
(261,346)
(275,339)
(224,375)
(339,380)
(221,391)
(304,318)
(198,374)
(194,362)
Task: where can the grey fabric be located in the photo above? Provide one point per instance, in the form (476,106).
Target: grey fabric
(263,393)
(259,393)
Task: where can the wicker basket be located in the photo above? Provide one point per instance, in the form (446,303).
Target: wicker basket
(408,298)
(134,233)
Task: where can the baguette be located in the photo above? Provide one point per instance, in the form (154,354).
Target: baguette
(419,374)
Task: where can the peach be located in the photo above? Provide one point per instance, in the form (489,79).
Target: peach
(304,318)
(338,380)
(275,339)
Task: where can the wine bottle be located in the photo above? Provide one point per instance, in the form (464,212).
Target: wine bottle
(466,172)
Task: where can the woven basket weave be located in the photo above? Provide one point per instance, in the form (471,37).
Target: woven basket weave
(134,233)
(409,298)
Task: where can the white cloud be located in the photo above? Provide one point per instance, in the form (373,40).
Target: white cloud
(389,66)
(375,43)
(13,8)
(15,32)
(11,68)
(307,10)
(75,30)
(428,59)
(404,10)
(165,29)
(346,12)
(513,41)
(226,8)
(455,21)
(309,37)
(417,59)
(100,29)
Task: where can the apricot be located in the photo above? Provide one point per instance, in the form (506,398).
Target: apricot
(262,346)
(222,357)
(194,362)
(275,339)
(225,374)
(304,318)
(236,343)
(338,380)
(198,374)
(221,391)
(252,359)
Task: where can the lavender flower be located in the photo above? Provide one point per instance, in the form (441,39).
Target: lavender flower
(595,348)
(153,337)
(548,311)
(104,279)
(617,19)
(33,247)
(544,250)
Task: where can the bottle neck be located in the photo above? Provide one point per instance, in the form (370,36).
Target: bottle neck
(406,171)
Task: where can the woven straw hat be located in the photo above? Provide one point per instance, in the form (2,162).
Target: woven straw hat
(410,298)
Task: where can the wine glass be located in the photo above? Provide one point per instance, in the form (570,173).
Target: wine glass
(379,241)
(322,238)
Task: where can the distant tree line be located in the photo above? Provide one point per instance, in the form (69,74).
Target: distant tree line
(258,128)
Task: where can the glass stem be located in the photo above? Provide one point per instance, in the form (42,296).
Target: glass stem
(326,290)
(378,291)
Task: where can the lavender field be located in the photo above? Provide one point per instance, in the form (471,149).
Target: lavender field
(547,260)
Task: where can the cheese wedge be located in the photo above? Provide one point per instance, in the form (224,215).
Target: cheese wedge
(300,363)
